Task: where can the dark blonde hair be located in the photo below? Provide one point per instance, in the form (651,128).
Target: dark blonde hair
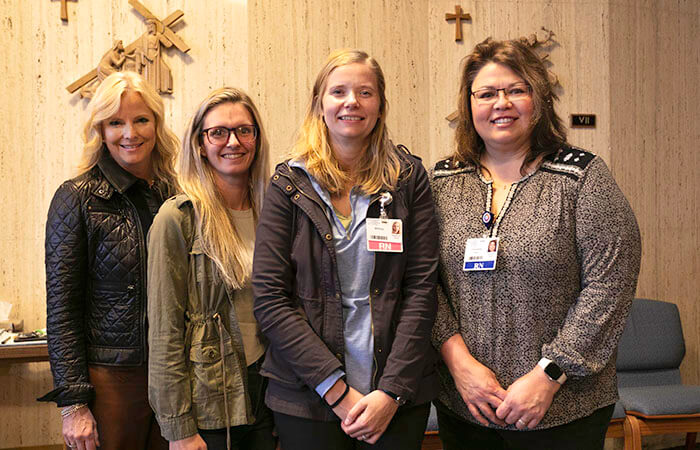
(547,129)
(106,102)
(379,166)
(220,239)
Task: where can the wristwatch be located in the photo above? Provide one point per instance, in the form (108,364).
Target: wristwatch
(553,371)
(397,398)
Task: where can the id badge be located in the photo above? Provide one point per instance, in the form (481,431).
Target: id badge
(481,254)
(385,235)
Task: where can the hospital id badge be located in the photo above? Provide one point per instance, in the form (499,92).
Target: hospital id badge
(481,254)
(384,235)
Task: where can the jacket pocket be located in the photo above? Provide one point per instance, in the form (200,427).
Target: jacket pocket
(201,263)
(207,367)
(313,309)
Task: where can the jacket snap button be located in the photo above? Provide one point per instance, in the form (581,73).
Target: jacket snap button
(328,237)
(339,356)
(276,177)
(376,291)
(289,187)
(337,295)
(296,197)
(379,350)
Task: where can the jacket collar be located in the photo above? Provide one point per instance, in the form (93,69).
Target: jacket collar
(117,176)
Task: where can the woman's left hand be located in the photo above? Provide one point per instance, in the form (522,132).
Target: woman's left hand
(370,417)
(528,399)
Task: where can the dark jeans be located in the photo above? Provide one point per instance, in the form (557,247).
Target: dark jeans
(587,433)
(405,432)
(257,436)
(124,417)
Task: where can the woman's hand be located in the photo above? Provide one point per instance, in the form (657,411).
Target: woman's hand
(194,442)
(528,399)
(370,417)
(80,430)
(352,397)
(475,382)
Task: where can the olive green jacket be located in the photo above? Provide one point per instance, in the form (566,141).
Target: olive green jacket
(192,321)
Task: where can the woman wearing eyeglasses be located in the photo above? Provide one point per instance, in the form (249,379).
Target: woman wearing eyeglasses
(528,333)
(205,345)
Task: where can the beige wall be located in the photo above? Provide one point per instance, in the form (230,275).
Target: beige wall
(655,93)
(632,63)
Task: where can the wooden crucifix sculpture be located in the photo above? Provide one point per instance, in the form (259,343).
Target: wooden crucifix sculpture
(64,10)
(142,56)
(458,17)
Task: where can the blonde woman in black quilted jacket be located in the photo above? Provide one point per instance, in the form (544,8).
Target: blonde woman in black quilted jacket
(96,269)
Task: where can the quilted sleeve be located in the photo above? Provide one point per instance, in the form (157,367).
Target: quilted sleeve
(66,275)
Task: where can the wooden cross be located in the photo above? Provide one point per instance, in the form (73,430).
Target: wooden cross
(64,10)
(458,17)
(175,39)
(167,22)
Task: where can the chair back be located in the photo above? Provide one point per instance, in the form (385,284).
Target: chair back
(651,348)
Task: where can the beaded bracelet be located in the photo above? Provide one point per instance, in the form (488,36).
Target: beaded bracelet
(70,410)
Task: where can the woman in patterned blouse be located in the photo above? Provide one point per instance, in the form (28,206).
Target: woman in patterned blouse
(529,345)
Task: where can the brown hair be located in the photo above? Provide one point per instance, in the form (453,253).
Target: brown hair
(547,129)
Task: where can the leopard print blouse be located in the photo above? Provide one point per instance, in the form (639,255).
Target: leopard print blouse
(566,274)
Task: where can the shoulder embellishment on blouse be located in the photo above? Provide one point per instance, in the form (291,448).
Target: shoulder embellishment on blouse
(449,166)
(570,161)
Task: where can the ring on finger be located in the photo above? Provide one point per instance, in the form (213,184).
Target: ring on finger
(521,422)
(363,437)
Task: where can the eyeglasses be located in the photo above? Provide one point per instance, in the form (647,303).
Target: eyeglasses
(246,134)
(487,96)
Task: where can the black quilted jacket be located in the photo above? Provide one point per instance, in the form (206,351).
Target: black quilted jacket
(95,279)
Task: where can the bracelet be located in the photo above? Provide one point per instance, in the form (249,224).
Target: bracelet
(70,410)
(342,396)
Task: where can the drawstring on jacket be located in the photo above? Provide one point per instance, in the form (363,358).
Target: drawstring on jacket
(217,317)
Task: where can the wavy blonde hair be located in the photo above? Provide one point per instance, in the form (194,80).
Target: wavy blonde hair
(379,166)
(221,241)
(106,102)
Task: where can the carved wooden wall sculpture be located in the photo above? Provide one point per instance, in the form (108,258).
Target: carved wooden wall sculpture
(143,55)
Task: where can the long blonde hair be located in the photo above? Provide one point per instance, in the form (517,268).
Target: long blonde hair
(220,239)
(379,166)
(106,102)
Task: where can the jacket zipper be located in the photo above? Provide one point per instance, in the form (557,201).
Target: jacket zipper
(371,314)
(142,253)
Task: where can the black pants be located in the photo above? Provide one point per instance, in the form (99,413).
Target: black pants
(587,433)
(257,436)
(405,432)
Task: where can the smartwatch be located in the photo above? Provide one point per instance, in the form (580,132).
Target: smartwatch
(552,371)
(397,398)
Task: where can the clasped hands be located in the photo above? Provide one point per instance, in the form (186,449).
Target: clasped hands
(524,403)
(363,417)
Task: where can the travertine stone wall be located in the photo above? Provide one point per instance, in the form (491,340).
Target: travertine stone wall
(633,63)
(41,121)
(655,96)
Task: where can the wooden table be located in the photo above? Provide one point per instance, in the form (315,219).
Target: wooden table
(10,354)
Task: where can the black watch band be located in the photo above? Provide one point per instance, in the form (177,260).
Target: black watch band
(397,398)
